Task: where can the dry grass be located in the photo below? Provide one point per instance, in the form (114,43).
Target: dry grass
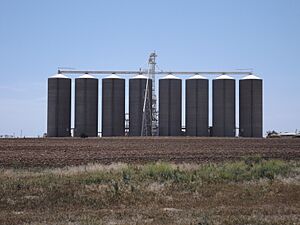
(251,191)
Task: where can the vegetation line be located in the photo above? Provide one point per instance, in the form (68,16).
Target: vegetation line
(95,194)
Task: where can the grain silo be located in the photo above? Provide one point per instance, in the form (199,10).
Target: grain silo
(196,106)
(59,106)
(170,101)
(86,106)
(224,106)
(250,107)
(137,88)
(113,106)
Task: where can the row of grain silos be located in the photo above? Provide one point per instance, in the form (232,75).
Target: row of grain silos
(224,106)
(170,106)
(86,106)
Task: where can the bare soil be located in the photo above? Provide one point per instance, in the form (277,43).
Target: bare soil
(59,152)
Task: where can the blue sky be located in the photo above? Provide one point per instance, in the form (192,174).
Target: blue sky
(36,37)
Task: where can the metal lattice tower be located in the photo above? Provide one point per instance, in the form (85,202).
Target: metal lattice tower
(152,65)
(150,115)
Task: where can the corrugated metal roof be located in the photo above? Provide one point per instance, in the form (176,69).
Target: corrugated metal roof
(139,77)
(251,77)
(170,76)
(197,77)
(113,76)
(58,76)
(224,77)
(87,76)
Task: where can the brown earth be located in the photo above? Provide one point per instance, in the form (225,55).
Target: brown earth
(58,152)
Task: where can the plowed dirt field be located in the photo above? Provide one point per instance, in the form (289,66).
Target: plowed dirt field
(58,152)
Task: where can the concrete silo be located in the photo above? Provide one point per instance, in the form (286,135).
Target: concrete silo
(196,106)
(86,106)
(137,88)
(113,106)
(224,106)
(170,101)
(59,106)
(250,107)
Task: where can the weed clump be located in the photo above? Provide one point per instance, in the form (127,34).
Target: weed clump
(250,168)
(158,171)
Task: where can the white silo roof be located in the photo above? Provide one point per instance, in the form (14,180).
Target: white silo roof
(251,77)
(113,76)
(58,76)
(87,76)
(170,76)
(224,77)
(197,77)
(140,76)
